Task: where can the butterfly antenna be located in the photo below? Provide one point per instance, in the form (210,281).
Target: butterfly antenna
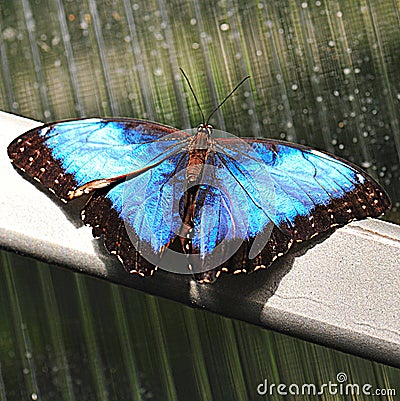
(230,94)
(194,95)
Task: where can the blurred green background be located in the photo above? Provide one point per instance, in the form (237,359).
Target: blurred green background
(323,73)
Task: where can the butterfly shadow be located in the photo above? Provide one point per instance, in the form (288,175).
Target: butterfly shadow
(71,210)
(241,296)
(244,296)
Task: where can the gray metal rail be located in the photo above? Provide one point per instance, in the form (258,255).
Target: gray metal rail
(342,292)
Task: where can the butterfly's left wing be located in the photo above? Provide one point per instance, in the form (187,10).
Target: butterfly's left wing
(315,190)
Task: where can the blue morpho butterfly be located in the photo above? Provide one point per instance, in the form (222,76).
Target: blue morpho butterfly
(196,204)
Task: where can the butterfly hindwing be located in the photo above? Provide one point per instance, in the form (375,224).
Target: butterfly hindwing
(100,213)
(144,206)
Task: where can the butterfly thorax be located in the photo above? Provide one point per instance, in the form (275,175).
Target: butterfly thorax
(198,152)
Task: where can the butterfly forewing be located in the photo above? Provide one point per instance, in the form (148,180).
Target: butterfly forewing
(68,154)
(316,191)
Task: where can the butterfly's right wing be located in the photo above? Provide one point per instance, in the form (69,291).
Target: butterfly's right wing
(64,155)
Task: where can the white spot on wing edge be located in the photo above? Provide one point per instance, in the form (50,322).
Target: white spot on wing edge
(45,130)
(318,153)
(91,120)
(360,178)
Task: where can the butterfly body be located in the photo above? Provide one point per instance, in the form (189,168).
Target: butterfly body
(194,203)
(199,151)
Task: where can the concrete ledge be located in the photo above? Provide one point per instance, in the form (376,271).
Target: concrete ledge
(342,292)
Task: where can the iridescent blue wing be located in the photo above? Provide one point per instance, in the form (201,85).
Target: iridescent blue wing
(231,204)
(137,217)
(235,204)
(314,191)
(65,155)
